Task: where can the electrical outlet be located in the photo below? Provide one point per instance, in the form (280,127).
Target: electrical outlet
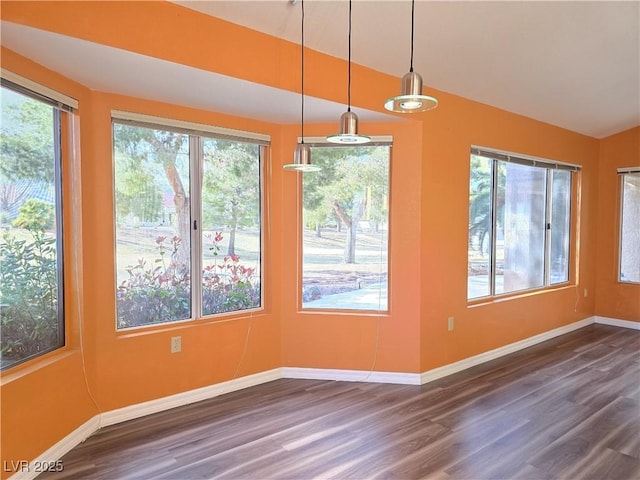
(176,344)
(450,323)
(585,293)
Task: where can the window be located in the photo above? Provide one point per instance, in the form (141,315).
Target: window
(185,202)
(345,228)
(630,226)
(519,223)
(31,276)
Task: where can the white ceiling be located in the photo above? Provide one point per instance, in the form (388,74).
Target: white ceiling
(572,64)
(113,70)
(569,63)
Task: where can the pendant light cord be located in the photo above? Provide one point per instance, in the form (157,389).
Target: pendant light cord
(413,7)
(349,69)
(302,73)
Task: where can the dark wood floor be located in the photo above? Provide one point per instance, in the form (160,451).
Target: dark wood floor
(568,408)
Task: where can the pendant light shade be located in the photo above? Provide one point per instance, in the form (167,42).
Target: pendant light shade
(349,120)
(411,99)
(302,154)
(302,160)
(348,130)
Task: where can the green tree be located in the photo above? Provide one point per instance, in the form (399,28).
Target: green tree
(376,178)
(317,210)
(355,182)
(231,186)
(136,191)
(26,148)
(26,144)
(481,197)
(156,152)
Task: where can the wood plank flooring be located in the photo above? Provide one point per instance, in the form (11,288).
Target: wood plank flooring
(565,409)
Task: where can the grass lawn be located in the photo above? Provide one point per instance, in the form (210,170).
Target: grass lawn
(322,256)
(323,262)
(322,259)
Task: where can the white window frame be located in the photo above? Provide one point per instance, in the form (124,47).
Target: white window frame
(58,102)
(377,140)
(550,165)
(196,134)
(622,172)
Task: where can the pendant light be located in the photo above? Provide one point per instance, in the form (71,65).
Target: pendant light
(349,120)
(411,99)
(302,155)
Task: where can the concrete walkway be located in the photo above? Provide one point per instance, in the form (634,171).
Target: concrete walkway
(371,297)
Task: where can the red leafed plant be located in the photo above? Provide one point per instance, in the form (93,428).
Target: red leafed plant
(162,292)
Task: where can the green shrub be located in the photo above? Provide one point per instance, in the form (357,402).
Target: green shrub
(35,215)
(28,296)
(161,292)
(227,285)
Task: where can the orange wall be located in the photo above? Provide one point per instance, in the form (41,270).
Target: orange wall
(429,221)
(50,391)
(136,365)
(46,399)
(388,342)
(448,133)
(614,299)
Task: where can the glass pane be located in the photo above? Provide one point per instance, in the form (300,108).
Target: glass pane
(345,229)
(230,226)
(153,225)
(30,244)
(479,251)
(520,228)
(560,226)
(630,229)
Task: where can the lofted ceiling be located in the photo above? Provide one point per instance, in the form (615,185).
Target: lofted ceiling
(107,69)
(572,64)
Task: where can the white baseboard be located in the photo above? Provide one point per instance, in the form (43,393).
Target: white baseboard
(436,373)
(615,322)
(351,375)
(57,451)
(92,425)
(185,398)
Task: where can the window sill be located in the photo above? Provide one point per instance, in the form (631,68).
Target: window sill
(344,312)
(29,367)
(518,295)
(190,323)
